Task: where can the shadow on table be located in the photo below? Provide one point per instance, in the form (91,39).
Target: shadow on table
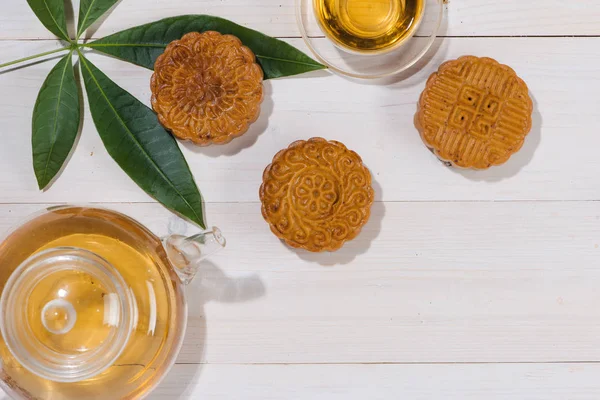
(72,20)
(518,160)
(91,31)
(352,249)
(212,284)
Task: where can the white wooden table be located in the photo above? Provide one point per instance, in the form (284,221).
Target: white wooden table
(464,285)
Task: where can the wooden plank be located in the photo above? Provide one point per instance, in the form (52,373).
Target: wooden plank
(424,282)
(558,162)
(277,18)
(382,382)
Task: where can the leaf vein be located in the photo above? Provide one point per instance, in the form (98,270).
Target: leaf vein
(66,36)
(56,111)
(152,162)
(82,22)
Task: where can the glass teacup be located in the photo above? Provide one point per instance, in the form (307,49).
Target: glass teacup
(369,39)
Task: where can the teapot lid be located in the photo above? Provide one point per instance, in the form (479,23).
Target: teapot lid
(66,314)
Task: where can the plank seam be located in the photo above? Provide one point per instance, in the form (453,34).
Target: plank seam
(323,37)
(400,363)
(257,202)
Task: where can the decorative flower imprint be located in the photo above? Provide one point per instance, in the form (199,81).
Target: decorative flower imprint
(207,88)
(316,195)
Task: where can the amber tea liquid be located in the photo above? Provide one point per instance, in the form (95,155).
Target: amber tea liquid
(369,26)
(139,258)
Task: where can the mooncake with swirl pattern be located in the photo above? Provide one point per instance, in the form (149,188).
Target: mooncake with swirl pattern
(316,195)
(207,88)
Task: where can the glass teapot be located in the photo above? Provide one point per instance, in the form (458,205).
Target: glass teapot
(92,304)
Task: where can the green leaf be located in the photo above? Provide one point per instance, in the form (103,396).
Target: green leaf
(140,145)
(51,13)
(143,44)
(90,11)
(55,121)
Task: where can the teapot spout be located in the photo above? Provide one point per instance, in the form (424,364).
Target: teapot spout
(186,253)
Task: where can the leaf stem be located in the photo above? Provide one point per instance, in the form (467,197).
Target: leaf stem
(93,45)
(20,60)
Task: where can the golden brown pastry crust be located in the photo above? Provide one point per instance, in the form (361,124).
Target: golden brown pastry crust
(474,112)
(316,195)
(207,88)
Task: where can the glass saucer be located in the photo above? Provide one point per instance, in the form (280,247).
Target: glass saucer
(370,65)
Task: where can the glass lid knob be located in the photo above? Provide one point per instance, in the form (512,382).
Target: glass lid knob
(66,314)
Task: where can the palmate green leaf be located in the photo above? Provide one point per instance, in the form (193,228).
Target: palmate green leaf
(51,13)
(143,44)
(90,11)
(140,145)
(55,121)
